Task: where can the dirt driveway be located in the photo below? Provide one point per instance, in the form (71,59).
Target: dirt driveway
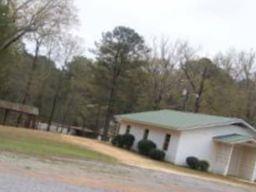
(20,173)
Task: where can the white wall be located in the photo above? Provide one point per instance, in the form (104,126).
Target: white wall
(134,130)
(199,143)
(155,134)
(158,136)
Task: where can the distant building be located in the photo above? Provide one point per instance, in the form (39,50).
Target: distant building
(228,144)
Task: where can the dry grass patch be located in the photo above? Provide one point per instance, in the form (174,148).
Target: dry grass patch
(45,144)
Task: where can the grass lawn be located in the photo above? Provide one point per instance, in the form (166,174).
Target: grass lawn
(44,144)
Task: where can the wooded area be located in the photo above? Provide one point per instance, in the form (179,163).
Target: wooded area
(126,74)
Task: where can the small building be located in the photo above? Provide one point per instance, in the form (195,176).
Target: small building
(228,144)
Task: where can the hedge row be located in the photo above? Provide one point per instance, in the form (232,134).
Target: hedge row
(146,147)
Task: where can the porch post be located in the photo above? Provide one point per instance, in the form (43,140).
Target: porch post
(254,173)
(229,160)
(6,111)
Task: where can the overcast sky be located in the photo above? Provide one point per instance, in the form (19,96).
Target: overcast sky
(214,25)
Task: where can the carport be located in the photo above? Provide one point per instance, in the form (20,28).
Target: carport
(240,158)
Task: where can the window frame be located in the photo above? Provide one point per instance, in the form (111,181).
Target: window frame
(167,140)
(145,134)
(128,129)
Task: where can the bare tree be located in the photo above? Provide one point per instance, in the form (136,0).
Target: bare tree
(196,71)
(33,15)
(68,48)
(38,43)
(161,68)
(241,67)
(247,63)
(51,27)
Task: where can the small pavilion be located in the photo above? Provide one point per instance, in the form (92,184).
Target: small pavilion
(30,111)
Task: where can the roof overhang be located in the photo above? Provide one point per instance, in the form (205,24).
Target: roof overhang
(20,108)
(236,139)
(233,122)
(120,118)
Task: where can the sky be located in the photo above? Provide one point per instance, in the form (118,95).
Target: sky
(211,25)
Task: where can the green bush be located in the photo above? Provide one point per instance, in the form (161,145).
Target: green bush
(157,154)
(117,141)
(145,146)
(192,162)
(195,163)
(128,140)
(203,165)
(123,141)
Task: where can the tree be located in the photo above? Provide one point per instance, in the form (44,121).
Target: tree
(240,65)
(118,53)
(29,16)
(49,31)
(160,70)
(68,49)
(197,73)
(6,23)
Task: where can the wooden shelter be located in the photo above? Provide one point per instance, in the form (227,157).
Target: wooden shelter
(30,111)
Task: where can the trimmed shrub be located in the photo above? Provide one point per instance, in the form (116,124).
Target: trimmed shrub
(203,165)
(157,154)
(123,141)
(145,146)
(192,162)
(128,140)
(117,141)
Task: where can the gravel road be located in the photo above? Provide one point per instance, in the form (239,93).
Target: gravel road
(14,183)
(20,173)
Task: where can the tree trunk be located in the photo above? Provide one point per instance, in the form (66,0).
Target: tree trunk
(6,111)
(197,103)
(109,112)
(110,104)
(184,103)
(200,92)
(54,104)
(97,122)
(12,40)
(30,79)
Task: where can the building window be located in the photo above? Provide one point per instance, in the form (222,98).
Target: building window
(145,136)
(128,129)
(166,142)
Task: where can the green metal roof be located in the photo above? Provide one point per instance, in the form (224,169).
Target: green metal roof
(233,138)
(177,120)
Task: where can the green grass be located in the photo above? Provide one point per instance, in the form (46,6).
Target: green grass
(43,144)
